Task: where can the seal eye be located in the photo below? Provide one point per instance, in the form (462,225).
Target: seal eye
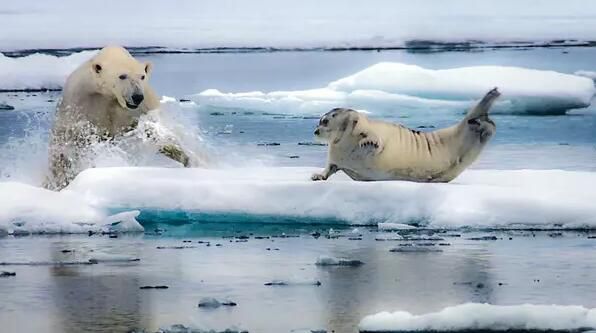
(123,77)
(324,122)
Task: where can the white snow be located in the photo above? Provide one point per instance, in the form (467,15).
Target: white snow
(478,198)
(28,209)
(386,87)
(39,71)
(287,23)
(474,316)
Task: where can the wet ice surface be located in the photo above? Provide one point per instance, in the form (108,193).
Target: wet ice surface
(518,267)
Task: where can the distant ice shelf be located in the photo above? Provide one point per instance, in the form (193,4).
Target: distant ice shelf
(38,71)
(389,87)
(477,199)
(473,317)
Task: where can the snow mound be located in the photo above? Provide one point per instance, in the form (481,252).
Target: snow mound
(39,71)
(386,87)
(26,209)
(478,198)
(479,317)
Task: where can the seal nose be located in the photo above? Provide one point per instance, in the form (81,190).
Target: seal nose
(137,98)
(317,132)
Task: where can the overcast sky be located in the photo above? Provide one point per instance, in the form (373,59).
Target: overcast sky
(285,23)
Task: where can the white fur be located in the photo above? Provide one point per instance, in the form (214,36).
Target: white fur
(98,105)
(370,150)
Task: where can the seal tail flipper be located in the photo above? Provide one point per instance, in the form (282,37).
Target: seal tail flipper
(484,105)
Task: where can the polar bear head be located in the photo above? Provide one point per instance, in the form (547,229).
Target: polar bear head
(118,75)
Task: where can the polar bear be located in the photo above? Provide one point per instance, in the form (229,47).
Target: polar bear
(369,150)
(102,100)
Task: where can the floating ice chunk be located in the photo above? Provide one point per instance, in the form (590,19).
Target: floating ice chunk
(480,317)
(39,71)
(478,198)
(293,283)
(212,303)
(389,237)
(389,226)
(124,222)
(415,249)
(111,258)
(179,328)
(47,263)
(386,87)
(332,261)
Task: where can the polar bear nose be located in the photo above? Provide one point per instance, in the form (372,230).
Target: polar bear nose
(137,98)
(317,132)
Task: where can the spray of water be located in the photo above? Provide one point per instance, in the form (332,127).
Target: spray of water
(25,155)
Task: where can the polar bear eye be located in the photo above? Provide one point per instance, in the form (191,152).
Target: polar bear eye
(123,77)
(324,122)
(143,77)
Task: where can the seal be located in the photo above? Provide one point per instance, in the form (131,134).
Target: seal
(371,150)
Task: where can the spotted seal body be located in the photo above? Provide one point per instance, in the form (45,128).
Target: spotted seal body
(370,150)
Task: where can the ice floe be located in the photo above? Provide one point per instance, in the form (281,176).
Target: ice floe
(38,71)
(332,261)
(485,317)
(389,87)
(477,199)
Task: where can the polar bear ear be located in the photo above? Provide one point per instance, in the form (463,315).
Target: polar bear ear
(96,68)
(148,67)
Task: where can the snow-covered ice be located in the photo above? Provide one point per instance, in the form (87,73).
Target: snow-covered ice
(389,226)
(39,71)
(28,209)
(389,86)
(478,198)
(474,316)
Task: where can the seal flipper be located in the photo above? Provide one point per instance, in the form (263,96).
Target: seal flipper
(477,119)
(371,142)
(481,109)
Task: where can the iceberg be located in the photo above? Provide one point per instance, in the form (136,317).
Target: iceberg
(38,71)
(485,317)
(476,199)
(390,87)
